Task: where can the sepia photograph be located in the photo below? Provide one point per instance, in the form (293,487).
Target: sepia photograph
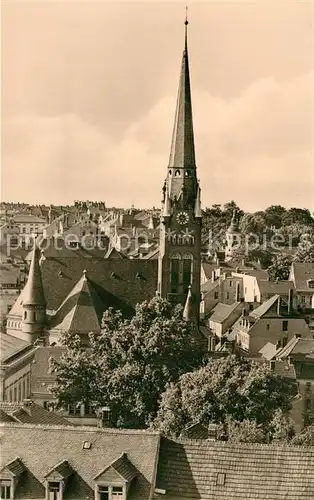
(157,250)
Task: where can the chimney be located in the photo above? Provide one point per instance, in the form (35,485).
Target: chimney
(212,432)
(213,277)
(104,417)
(272,364)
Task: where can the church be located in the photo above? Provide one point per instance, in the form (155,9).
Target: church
(71,293)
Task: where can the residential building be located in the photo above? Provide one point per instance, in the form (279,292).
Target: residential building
(63,462)
(16,356)
(267,323)
(296,361)
(302,275)
(223,318)
(28,412)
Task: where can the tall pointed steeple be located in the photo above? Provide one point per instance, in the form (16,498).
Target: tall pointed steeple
(182,154)
(182,166)
(179,266)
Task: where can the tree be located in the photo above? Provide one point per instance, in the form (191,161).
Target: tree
(305,438)
(273,215)
(253,223)
(298,215)
(128,364)
(226,389)
(305,251)
(279,269)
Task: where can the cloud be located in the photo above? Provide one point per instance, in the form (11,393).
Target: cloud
(257,148)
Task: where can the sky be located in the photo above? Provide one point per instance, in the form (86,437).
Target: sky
(89,91)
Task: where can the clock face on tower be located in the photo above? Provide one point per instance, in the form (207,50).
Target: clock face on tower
(182,218)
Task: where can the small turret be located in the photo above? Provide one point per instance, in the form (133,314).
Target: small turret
(34,304)
(198,209)
(188,308)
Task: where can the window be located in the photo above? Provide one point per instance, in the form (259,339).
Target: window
(227,295)
(74,409)
(187,271)
(284,341)
(117,493)
(220,479)
(175,272)
(177,173)
(54,491)
(310,283)
(230,283)
(285,326)
(216,295)
(267,326)
(103,492)
(303,299)
(110,493)
(5,490)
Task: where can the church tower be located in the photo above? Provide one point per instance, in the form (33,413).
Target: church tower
(233,237)
(34,304)
(180,229)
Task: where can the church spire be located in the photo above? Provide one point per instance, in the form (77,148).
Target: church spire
(34,303)
(182,154)
(34,295)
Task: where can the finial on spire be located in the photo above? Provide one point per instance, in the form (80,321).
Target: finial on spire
(186,22)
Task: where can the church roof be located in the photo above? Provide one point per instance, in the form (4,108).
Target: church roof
(120,283)
(81,311)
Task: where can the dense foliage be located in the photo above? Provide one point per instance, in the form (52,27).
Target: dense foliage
(243,396)
(129,364)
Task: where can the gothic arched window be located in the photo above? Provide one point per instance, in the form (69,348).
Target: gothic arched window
(187,267)
(177,173)
(175,264)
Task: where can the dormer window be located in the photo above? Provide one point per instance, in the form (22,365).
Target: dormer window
(9,477)
(310,283)
(5,489)
(114,481)
(111,493)
(54,490)
(57,480)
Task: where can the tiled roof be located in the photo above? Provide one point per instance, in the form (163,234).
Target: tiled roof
(297,346)
(123,467)
(209,286)
(10,345)
(208,269)
(268,351)
(223,311)
(265,308)
(30,413)
(189,470)
(81,311)
(122,283)
(9,275)
(40,448)
(302,271)
(113,253)
(283,369)
(57,248)
(28,219)
(271,287)
(41,377)
(154,254)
